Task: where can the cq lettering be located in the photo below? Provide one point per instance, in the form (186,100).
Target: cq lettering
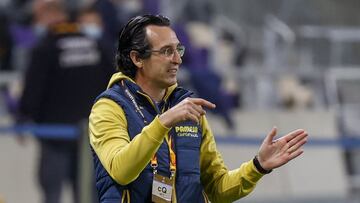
(162,189)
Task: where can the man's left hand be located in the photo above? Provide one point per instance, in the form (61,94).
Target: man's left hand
(275,153)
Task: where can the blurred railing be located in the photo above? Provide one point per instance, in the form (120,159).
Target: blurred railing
(71,132)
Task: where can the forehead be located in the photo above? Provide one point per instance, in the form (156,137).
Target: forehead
(90,17)
(160,36)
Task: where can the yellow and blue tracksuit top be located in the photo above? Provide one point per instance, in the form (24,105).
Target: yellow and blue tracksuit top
(123,145)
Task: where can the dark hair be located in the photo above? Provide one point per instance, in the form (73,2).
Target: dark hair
(133,37)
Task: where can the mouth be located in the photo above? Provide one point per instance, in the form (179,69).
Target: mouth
(173,70)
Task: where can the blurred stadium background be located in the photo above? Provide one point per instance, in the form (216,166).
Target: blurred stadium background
(290,64)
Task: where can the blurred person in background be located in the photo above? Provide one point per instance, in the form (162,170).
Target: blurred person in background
(92,25)
(151,140)
(109,15)
(27,28)
(6,58)
(45,14)
(6,44)
(67,70)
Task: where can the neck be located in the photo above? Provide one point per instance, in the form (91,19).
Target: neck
(156,93)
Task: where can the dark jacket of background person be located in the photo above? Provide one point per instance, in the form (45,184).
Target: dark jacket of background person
(66,73)
(6,44)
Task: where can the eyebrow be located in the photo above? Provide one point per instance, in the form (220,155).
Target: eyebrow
(170,46)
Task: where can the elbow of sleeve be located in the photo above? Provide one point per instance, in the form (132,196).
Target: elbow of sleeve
(247,188)
(123,178)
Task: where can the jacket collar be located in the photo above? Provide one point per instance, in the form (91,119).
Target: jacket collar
(133,87)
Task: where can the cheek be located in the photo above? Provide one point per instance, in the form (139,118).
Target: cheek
(157,67)
(160,67)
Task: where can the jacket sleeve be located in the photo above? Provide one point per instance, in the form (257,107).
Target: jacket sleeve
(220,184)
(123,159)
(37,79)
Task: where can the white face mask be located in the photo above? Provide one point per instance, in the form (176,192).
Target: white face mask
(91,30)
(40,30)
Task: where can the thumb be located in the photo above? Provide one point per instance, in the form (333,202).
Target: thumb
(269,138)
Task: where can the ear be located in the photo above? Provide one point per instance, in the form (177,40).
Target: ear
(134,55)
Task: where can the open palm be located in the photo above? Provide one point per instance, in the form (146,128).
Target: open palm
(275,153)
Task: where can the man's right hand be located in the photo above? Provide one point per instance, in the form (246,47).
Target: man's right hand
(188,109)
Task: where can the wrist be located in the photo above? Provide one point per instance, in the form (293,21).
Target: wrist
(165,121)
(259,167)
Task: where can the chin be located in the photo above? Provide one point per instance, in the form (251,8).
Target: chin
(171,83)
(174,82)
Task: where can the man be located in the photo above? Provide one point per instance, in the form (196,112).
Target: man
(151,140)
(67,71)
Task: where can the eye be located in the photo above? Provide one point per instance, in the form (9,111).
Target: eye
(168,51)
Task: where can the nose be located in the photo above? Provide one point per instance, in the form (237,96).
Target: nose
(176,58)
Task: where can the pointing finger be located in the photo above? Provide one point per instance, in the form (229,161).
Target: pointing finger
(199,109)
(203,102)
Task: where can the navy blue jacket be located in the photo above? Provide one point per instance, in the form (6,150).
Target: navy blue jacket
(187,148)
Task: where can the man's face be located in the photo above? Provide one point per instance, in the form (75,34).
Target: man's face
(160,69)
